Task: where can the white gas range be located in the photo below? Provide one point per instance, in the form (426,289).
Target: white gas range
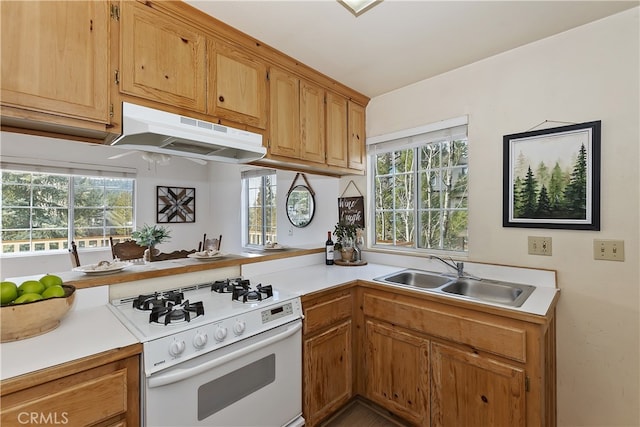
(213,350)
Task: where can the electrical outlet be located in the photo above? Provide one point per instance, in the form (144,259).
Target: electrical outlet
(539,245)
(611,250)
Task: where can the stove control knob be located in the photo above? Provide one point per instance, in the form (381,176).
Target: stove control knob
(176,348)
(200,340)
(239,327)
(220,334)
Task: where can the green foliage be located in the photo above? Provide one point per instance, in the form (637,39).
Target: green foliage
(421,196)
(151,235)
(560,194)
(344,231)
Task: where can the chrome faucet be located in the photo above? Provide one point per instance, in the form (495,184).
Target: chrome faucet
(458,266)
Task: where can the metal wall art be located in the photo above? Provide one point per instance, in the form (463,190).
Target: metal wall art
(176,204)
(552,178)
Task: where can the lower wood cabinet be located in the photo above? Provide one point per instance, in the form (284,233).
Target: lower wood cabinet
(429,362)
(327,355)
(469,389)
(101,390)
(396,366)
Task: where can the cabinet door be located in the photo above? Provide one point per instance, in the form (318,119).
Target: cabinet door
(468,389)
(312,123)
(356,136)
(327,372)
(337,131)
(397,371)
(163,60)
(238,85)
(103,395)
(284,122)
(55,57)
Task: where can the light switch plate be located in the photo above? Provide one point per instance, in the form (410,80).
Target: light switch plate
(610,250)
(539,245)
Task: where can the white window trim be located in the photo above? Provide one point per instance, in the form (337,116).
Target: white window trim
(402,140)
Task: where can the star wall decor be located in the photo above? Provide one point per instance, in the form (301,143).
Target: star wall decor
(176,204)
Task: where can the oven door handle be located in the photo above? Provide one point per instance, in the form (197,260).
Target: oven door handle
(179,374)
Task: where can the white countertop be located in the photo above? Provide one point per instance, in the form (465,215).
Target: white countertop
(82,332)
(306,279)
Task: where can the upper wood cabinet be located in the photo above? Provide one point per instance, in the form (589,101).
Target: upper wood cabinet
(237,85)
(55,58)
(356,144)
(284,118)
(162,59)
(312,123)
(337,130)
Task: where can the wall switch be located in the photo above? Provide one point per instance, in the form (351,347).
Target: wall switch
(539,245)
(611,250)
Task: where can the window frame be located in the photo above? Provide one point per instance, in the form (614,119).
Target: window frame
(245,178)
(71,195)
(448,130)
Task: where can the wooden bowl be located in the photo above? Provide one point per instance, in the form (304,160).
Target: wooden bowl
(27,320)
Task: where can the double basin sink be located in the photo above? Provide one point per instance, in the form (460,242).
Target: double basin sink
(490,291)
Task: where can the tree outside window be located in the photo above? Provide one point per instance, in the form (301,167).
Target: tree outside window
(36,213)
(421,196)
(260,209)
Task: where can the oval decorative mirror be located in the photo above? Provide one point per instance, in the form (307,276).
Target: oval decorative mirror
(300,204)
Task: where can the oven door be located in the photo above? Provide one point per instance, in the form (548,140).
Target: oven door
(253,382)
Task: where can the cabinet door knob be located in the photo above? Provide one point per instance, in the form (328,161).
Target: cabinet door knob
(221,98)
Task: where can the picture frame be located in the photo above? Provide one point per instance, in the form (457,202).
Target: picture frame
(551,178)
(176,204)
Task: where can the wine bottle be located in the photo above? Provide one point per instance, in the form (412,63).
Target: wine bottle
(328,253)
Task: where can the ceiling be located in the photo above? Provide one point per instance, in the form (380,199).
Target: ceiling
(400,42)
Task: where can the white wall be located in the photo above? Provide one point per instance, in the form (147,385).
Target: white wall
(218,200)
(589,73)
(226,191)
(179,173)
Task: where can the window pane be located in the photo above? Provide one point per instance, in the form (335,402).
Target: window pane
(430,229)
(35,210)
(384,228)
(438,218)
(261,192)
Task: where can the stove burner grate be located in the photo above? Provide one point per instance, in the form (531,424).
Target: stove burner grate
(227,285)
(246,294)
(176,313)
(158,300)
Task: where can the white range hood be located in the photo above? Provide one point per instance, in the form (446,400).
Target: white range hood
(156,131)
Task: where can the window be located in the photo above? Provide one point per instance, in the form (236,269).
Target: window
(259,189)
(43,212)
(420,188)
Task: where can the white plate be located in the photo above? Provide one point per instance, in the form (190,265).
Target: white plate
(200,256)
(112,267)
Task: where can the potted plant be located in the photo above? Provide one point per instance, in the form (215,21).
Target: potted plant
(150,236)
(345,237)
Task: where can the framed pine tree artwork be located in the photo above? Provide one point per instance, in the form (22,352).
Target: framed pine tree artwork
(552,178)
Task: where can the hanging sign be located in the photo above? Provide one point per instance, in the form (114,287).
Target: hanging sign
(351,210)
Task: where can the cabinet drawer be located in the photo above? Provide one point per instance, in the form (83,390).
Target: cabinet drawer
(326,312)
(477,330)
(82,399)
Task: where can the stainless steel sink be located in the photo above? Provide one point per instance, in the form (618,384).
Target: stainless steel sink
(416,278)
(512,294)
(490,291)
